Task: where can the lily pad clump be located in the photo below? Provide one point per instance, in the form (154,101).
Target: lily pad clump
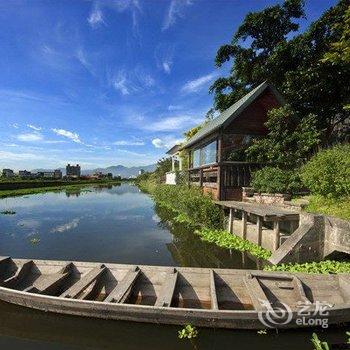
(323,267)
(225,239)
(8,212)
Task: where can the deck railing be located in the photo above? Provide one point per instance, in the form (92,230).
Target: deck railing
(232,174)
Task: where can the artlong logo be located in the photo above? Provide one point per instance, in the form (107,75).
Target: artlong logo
(307,314)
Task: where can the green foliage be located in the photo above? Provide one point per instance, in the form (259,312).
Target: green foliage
(225,239)
(251,46)
(264,49)
(190,133)
(8,212)
(289,141)
(318,344)
(340,50)
(338,207)
(323,267)
(189,202)
(276,180)
(328,172)
(188,332)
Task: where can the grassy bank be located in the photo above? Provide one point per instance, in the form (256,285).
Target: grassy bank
(53,187)
(339,207)
(189,206)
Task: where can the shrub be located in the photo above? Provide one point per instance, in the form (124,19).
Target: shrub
(328,172)
(276,180)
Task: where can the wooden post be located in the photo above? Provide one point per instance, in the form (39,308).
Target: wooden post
(244,224)
(276,230)
(201,177)
(230,221)
(259,229)
(219,181)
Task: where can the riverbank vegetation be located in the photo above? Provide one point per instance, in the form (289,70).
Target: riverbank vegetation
(191,207)
(53,187)
(324,267)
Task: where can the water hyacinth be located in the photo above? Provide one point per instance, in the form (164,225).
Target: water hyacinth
(225,239)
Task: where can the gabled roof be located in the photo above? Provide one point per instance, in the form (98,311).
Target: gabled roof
(232,112)
(173,149)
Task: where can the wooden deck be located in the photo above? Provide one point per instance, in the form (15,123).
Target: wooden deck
(261,213)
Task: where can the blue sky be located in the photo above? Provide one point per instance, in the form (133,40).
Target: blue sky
(109,82)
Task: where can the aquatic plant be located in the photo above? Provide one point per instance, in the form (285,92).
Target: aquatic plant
(189,332)
(225,239)
(34,240)
(318,344)
(8,212)
(324,267)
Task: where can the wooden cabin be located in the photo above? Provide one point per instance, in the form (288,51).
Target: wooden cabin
(216,151)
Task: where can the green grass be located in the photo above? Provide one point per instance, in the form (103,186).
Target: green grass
(329,206)
(323,267)
(64,186)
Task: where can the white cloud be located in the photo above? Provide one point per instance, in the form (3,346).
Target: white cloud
(66,227)
(172,123)
(174,107)
(167,66)
(36,128)
(69,134)
(29,137)
(132,81)
(198,84)
(176,10)
(95,17)
(15,125)
(164,57)
(128,143)
(166,142)
(11,156)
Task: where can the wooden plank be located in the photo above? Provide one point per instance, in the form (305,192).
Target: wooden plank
(166,294)
(256,293)
(19,275)
(213,295)
(299,290)
(84,282)
(121,292)
(50,283)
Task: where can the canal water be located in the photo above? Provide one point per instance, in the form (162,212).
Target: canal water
(123,225)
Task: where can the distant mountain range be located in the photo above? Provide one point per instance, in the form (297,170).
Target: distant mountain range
(116,170)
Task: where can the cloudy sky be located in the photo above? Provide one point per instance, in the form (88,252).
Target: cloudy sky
(109,82)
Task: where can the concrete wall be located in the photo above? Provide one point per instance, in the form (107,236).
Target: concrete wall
(316,238)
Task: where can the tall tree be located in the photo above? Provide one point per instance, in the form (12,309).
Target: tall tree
(254,42)
(263,49)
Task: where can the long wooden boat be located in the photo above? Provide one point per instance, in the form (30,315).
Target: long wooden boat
(223,298)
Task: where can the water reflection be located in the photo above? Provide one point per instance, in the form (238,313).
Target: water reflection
(187,249)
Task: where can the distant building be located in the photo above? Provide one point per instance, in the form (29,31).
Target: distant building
(57,174)
(46,174)
(141,171)
(73,170)
(8,173)
(24,174)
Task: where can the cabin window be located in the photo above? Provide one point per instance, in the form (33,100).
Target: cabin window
(196,158)
(208,154)
(205,155)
